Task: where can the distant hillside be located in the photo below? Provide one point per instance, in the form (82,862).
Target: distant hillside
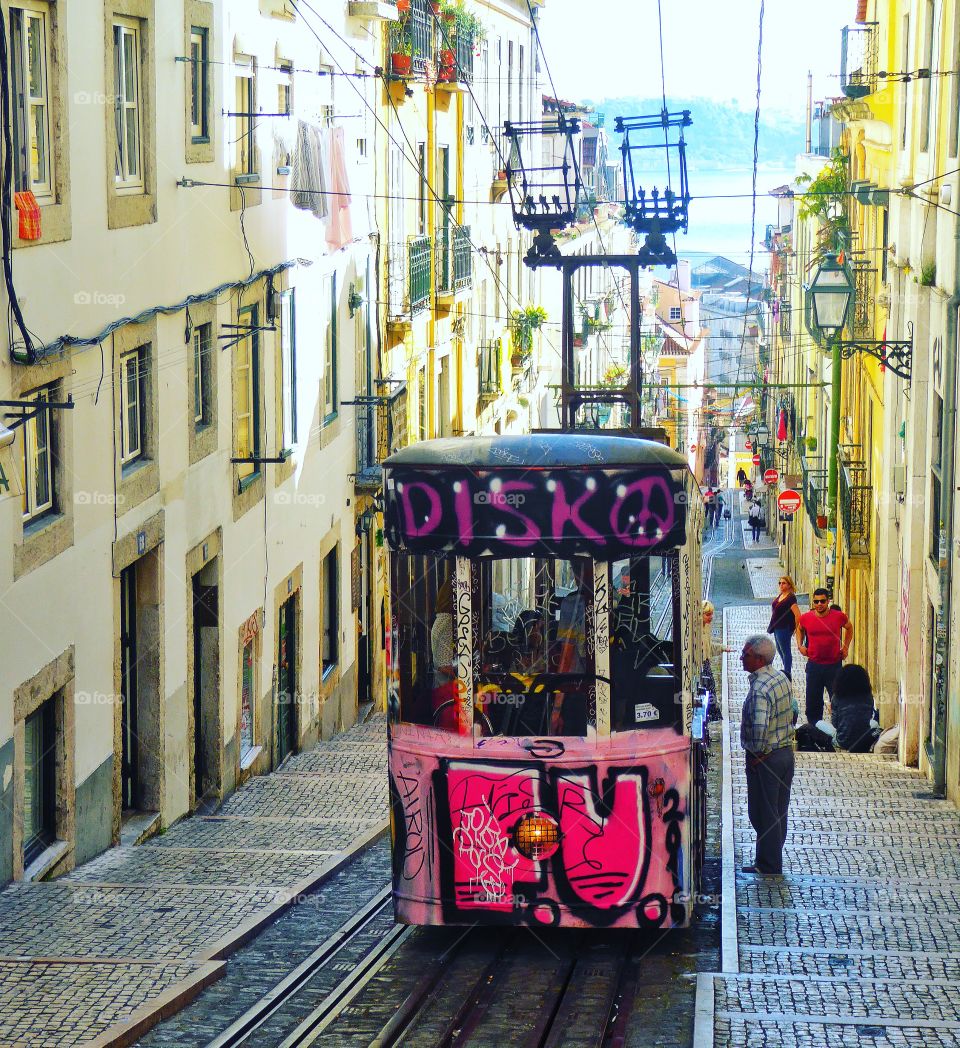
(721,135)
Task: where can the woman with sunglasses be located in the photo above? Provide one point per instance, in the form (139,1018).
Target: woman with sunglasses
(784,620)
(823,635)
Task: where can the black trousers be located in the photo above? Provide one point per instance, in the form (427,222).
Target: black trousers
(819,676)
(768,796)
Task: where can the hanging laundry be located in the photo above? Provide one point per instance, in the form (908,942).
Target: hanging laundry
(309,184)
(782,425)
(339,228)
(29,215)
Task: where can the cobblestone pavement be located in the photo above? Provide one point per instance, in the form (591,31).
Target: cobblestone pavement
(95,953)
(858,943)
(764,576)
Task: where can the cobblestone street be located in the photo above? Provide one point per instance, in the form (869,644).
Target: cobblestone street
(90,956)
(857,943)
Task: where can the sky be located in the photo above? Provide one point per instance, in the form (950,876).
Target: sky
(610,48)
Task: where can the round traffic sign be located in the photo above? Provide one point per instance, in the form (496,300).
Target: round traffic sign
(770,477)
(693,447)
(756,460)
(748,446)
(788,501)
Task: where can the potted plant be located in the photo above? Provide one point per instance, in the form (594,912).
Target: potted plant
(811,443)
(403,7)
(401,58)
(523,323)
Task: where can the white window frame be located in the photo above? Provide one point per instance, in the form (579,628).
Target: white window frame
(128,109)
(31,136)
(37,458)
(245,128)
(676,313)
(246,364)
(288,367)
(199,84)
(201,347)
(331,353)
(131,438)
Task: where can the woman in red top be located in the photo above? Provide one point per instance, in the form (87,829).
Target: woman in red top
(784,620)
(828,635)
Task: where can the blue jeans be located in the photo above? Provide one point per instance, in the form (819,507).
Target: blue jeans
(782,639)
(819,676)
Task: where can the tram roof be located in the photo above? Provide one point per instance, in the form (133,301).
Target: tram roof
(543,450)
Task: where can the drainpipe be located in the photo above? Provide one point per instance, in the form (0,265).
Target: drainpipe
(938,757)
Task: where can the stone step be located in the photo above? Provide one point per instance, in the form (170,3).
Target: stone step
(844,963)
(815,894)
(927,933)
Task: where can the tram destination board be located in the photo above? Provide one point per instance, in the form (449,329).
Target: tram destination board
(603,513)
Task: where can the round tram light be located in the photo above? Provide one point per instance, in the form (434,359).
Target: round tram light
(536,836)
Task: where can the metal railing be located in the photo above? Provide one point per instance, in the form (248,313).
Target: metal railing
(462,258)
(489,377)
(863,303)
(858,60)
(464,53)
(444,260)
(855,502)
(814,489)
(381,428)
(415,35)
(419,250)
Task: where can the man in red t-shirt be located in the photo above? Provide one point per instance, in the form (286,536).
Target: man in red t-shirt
(824,636)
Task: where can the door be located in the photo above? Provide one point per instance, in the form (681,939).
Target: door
(205,680)
(129,765)
(286,679)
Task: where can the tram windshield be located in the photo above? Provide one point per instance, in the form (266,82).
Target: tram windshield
(527,628)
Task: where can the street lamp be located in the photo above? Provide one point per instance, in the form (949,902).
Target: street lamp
(831,292)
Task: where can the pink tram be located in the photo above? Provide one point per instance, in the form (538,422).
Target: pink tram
(547,742)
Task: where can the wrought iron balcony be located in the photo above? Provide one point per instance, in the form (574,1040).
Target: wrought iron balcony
(814,491)
(462,258)
(381,422)
(419,249)
(489,377)
(414,35)
(856,501)
(858,60)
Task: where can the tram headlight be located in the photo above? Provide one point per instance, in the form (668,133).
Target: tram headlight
(536,836)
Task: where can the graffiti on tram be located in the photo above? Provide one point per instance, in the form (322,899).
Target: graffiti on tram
(601,512)
(605,842)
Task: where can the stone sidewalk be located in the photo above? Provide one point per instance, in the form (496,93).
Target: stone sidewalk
(857,943)
(92,957)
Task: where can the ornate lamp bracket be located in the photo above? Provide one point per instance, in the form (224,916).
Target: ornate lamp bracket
(896,356)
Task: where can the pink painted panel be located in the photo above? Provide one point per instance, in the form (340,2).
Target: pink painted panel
(621,806)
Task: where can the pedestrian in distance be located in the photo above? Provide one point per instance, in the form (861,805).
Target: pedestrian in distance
(748,490)
(823,635)
(717,509)
(708,504)
(784,619)
(756,516)
(766,734)
(741,477)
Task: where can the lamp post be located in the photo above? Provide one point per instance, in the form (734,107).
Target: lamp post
(831,292)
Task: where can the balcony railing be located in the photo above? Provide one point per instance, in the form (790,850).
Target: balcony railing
(858,60)
(414,35)
(419,249)
(489,377)
(814,490)
(381,430)
(462,258)
(444,274)
(855,503)
(863,303)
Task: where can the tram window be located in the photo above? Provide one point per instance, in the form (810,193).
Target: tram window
(423,635)
(533,617)
(643,663)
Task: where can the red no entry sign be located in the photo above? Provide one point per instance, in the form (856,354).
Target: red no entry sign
(770,477)
(748,446)
(788,501)
(756,460)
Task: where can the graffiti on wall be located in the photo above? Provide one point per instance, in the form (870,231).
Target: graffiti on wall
(604,513)
(612,837)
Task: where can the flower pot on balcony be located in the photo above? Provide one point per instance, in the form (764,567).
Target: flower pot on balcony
(403,6)
(400,63)
(435,6)
(447,58)
(821,520)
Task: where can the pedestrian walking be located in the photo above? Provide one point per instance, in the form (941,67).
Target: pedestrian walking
(741,477)
(766,734)
(708,503)
(823,635)
(748,490)
(718,510)
(756,518)
(784,619)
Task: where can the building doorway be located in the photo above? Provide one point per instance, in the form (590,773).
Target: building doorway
(206,683)
(129,695)
(287,678)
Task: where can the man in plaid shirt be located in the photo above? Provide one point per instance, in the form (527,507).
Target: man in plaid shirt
(766,734)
